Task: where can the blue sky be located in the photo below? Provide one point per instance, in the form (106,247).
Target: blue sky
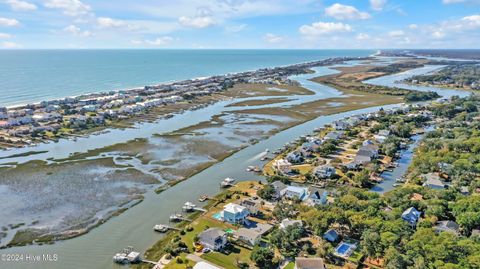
(302,24)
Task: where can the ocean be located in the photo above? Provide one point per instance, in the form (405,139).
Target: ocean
(28,76)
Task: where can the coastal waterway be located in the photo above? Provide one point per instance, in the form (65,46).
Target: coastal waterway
(134,227)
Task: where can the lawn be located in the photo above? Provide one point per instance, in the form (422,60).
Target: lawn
(174,265)
(199,226)
(290,265)
(229,261)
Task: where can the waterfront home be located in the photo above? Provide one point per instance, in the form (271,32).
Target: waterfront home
(433,181)
(334,135)
(252,235)
(331,236)
(366,154)
(43,117)
(324,171)
(234,213)
(447,226)
(282,165)
(253,206)
(288,222)
(279,187)
(309,263)
(316,197)
(294,192)
(340,125)
(89,108)
(295,157)
(411,215)
(384,132)
(213,238)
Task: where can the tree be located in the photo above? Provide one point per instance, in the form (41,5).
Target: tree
(267,193)
(263,257)
(394,259)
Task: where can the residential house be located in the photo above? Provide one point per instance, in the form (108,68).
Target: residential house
(287,223)
(282,165)
(366,154)
(447,226)
(253,206)
(213,238)
(279,187)
(411,215)
(295,157)
(234,213)
(340,125)
(433,181)
(324,171)
(334,135)
(309,263)
(294,192)
(317,197)
(331,236)
(252,236)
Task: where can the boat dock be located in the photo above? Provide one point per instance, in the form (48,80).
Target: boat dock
(162,228)
(178,217)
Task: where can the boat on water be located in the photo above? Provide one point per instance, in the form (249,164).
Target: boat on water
(400,180)
(126,256)
(250,168)
(176,217)
(227,182)
(188,206)
(203,198)
(160,228)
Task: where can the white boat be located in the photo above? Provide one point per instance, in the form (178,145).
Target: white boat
(160,228)
(188,206)
(176,217)
(227,182)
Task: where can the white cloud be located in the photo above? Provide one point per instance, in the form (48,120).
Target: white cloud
(8,22)
(19,5)
(378,5)
(5,36)
(344,12)
(413,27)
(235,28)
(74,30)
(321,28)
(472,21)
(160,41)
(105,22)
(69,7)
(362,36)
(438,34)
(196,22)
(396,33)
(272,38)
(10,45)
(447,2)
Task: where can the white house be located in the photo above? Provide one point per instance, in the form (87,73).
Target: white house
(294,192)
(283,166)
(213,238)
(234,213)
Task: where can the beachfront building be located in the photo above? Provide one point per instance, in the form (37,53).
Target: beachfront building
(295,157)
(288,222)
(253,206)
(252,235)
(447,226)
(283,166)
(331,236)
(324,171)
(279,188)
(316,197)
(234,213)
(309,263)
(213,238)
(433,181)
(411,215)
(294,192)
